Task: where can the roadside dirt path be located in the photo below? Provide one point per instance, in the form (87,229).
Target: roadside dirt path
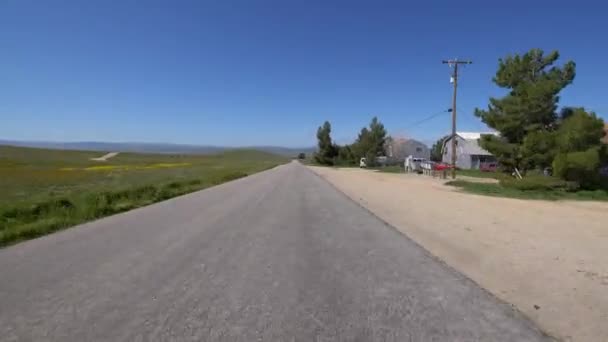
(105,157)
(549,259)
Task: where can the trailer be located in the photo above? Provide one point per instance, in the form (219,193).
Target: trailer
(413,164)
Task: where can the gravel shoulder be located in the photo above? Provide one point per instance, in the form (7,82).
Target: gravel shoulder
(549,259)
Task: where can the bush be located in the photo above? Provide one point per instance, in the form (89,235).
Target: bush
(581,167)
(61,206)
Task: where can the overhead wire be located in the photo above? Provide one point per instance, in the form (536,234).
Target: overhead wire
(428,118)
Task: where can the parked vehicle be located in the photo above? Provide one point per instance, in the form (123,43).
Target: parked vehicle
(442,166)
(413,164)
(380,161)
(488,167)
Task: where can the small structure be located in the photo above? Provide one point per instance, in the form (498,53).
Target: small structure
(469,155)
(413,164)
(400,148)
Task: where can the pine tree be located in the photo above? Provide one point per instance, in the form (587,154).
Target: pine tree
(436,150)
(327,150)
(530,106)
(370,142)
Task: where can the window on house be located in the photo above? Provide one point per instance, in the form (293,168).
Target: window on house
(418,149)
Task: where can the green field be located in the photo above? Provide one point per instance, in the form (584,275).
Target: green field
(48,190)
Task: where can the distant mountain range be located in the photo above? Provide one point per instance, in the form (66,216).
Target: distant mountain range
(151,147)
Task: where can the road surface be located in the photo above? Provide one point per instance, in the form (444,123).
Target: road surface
(277,256)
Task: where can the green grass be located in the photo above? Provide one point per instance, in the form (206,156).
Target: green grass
(391,169)
(47,190)
(498,190)
(477,174)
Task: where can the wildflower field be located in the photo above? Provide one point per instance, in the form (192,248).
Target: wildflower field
(42,191)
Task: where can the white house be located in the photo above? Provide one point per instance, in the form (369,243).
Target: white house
(469,155)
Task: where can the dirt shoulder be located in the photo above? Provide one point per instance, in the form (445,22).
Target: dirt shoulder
(550,259)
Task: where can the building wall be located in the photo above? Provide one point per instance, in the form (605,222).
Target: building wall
(467,154)
(402,148)
(463,161)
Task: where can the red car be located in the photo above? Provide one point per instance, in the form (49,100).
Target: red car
(488,167)
(442,166)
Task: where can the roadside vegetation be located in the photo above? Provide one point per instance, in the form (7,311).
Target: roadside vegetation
(479,174)
(535,187)
(557,154)
(369,144)
(48,190)
(533,135)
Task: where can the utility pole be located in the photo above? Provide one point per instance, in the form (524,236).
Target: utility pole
(454,63)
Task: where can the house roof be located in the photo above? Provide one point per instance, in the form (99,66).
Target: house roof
(474,135)
(470,143)
(472,147)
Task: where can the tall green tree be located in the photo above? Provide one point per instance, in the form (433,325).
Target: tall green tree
(580,153)
(370,142)
(436,149)
(530,106)
(345,155)
(377,134)
(326,149)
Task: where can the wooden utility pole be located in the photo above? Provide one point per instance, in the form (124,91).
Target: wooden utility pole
(454,63)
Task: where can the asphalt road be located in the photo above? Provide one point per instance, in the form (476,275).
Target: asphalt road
(278,256)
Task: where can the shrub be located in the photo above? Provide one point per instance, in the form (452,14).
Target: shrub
(580,167)
(55,206)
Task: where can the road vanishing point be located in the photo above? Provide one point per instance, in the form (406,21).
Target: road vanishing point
(277,256)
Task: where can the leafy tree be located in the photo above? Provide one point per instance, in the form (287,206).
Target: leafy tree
(362,144)
(539,149)
(327,150)
(580,131)
(377,135)
(371,142)
(436,150)
(530,106)
(580,153)
(580,167)
(565,113)
(345,155)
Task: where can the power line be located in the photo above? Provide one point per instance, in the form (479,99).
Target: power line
(428,118)
(454,63)
(421,121)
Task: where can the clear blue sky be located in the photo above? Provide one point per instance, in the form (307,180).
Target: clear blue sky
(256,72)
